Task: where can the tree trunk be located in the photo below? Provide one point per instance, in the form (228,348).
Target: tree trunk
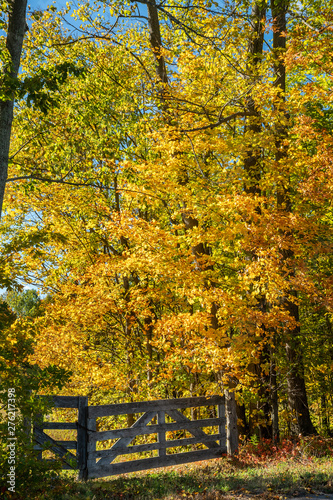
(14,42)
(325,415)
(297,397)
(274,402)
(252,164)
(156,41)
(190,222)
(260,411)
(242,424)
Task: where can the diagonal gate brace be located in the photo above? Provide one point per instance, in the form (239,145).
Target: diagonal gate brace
(41,438)
(122,442)
(198,433)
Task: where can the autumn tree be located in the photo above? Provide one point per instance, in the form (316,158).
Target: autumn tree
(178,228)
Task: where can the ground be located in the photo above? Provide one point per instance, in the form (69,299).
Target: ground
(300,469)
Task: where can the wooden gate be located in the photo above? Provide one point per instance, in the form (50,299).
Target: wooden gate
(101,462)
(160,418)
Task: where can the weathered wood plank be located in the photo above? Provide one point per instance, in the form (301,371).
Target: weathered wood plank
(222,426)
(63,401)
(39,419)
(154,428)
(91,445)
(161,434)
(151,463)
(59,425)
(158,405)
(156,446)
(82,437)
(69,445)
(123,442)
(41,438)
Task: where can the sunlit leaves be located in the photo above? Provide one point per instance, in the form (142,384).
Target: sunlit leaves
(127,187)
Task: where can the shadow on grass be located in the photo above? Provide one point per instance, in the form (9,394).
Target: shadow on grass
(218,479)
(210,482)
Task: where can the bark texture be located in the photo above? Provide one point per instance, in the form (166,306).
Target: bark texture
(260,411)
(14,42)
(156,41)
(297,397)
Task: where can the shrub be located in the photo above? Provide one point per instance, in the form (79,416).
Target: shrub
(19,385)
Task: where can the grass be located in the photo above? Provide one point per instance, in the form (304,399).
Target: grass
(215,479)
(260,471)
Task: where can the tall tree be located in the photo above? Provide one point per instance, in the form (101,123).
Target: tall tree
(11,56)
(260,418)
(160,265)
(297,396)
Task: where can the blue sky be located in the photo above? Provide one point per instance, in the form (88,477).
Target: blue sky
(40,5)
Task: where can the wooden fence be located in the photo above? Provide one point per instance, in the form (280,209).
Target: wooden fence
(160,418)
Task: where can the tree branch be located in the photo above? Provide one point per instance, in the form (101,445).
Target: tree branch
(57,181)
(219,122)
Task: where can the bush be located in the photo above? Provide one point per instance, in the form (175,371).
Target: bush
(20,383)
(288,449)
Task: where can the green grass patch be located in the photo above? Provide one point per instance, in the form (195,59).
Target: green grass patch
(261,470)
(219,478)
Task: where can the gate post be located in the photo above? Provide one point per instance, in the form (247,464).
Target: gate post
(222,429)
(161,434)
(82,437)
(231,415)
(91,444)
(38,420)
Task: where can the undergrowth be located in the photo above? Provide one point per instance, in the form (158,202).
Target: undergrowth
(261,470)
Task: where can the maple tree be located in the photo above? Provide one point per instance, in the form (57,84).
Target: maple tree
(174,199)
